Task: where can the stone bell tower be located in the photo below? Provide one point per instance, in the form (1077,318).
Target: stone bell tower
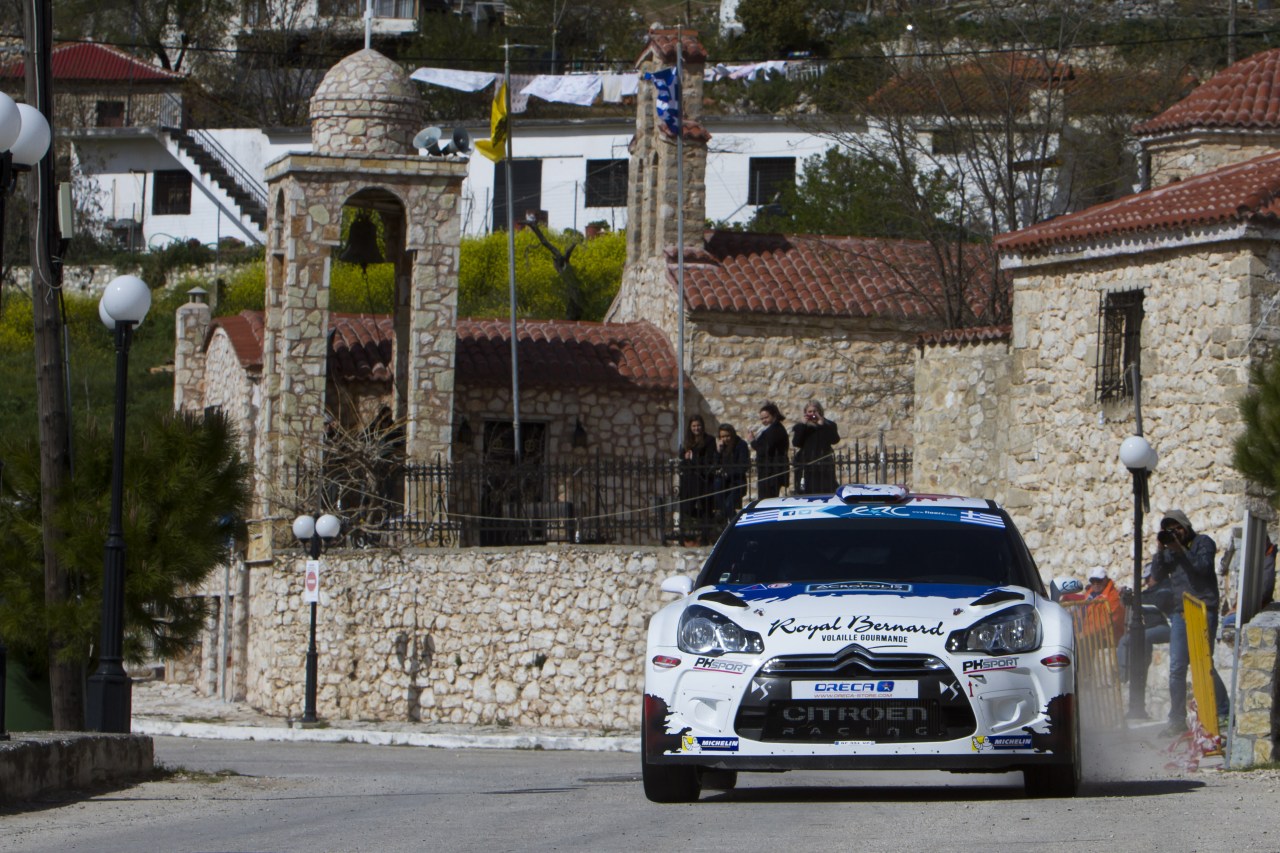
(654,183)
(363,118)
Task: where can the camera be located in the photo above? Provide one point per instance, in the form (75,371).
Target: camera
(1165,537)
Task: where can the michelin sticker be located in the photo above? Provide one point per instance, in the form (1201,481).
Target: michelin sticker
(693,743)
(987,743)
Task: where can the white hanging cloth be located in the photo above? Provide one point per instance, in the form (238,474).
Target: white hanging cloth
(579,89)
(464,81)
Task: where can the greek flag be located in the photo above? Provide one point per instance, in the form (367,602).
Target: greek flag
(668,85)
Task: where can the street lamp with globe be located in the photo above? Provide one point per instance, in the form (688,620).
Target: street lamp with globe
(313,532)
(123,306)
(24,140)
(1137,454)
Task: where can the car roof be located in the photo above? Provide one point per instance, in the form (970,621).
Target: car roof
(874,494)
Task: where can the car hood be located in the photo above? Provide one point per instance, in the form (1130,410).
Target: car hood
(875,615)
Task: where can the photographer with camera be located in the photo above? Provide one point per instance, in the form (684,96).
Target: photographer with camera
(1186,559)
(814,460)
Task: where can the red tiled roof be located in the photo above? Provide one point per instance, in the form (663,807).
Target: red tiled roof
(563,353)
(362,347)
(972,335)
(1244,192)
(94,63)
(244,330)
(551,352)
(1245,96)
(663,44)
(808,275)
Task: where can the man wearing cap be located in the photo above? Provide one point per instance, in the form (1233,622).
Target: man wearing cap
(1112,621)
(1185,558)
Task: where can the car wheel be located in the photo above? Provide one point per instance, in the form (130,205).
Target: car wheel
(717,780)
(1056,780)
(667,783)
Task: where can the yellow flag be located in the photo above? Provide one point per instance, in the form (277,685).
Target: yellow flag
(495,147)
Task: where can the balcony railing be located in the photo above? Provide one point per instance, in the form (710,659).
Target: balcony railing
(625,501)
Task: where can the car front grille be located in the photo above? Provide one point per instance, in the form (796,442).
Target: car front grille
(941,710)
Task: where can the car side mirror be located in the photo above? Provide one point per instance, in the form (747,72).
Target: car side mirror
(679,584)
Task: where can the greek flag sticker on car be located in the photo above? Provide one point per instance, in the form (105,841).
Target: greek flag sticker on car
(869,689)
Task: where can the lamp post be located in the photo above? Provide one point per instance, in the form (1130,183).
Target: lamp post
(24,139)
(124,304)
(1137,454)
(313,532)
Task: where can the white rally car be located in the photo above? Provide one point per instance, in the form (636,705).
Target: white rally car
(870,629)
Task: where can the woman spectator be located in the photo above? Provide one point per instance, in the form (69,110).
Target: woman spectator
(697,465)
(813,439)
(732,462)
(769,441)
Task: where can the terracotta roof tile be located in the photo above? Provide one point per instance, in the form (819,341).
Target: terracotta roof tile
(552,353)
(662,42)
(1244,96)
(1243,192)
(811,275)
(244,330)
(563,353)
(971,335)
(95,63)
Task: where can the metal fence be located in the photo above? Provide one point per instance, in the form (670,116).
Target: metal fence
(626,501)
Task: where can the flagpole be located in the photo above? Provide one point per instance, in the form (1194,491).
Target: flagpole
(511,258)
(680,423)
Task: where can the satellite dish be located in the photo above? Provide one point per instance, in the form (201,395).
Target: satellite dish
(429,138)
(461,141)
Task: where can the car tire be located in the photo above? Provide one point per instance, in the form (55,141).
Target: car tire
(717,780)
(667,783)
(1056,780)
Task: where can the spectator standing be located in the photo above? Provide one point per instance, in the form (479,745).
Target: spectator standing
(1156,601)
(1185,558)
(697,463)
(813,439)
(732,462)
(769,441)
(1111,622)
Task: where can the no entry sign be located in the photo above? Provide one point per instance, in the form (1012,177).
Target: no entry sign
(311,583)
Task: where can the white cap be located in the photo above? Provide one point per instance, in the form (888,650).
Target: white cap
(1097,573)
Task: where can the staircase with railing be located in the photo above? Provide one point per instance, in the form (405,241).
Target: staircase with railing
(200,146)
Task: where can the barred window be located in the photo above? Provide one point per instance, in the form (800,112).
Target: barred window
(172,193)
(769,176)
(1119,345)
(606,183)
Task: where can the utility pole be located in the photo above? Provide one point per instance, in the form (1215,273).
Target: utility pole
(65,679)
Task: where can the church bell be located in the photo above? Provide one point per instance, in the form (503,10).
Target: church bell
(362,242)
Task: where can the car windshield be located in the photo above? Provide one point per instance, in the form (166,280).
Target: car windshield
(892,550)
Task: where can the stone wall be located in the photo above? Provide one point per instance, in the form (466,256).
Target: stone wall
(1256,710)
(961,397)
(552,636)
(1183,157)
(619,423)
(860,370)
(1062,480)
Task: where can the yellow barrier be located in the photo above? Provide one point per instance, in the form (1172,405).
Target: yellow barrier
(1200,655)
(1098,674)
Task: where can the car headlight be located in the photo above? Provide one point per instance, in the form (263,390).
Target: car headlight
(703,631)
(1013,630)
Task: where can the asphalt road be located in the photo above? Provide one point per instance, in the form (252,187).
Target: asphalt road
(346,797)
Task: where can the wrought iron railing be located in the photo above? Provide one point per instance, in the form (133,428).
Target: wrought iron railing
(625,501)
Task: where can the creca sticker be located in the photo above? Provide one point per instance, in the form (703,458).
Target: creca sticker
(883,689)
(988,743)
(693,743)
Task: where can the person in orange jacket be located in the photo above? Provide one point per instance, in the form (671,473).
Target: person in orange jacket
(1101,586)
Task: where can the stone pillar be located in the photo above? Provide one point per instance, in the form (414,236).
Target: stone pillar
(653,192)
(190,328)
(1256,706)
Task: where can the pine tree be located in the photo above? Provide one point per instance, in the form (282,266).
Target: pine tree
(1257,449)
